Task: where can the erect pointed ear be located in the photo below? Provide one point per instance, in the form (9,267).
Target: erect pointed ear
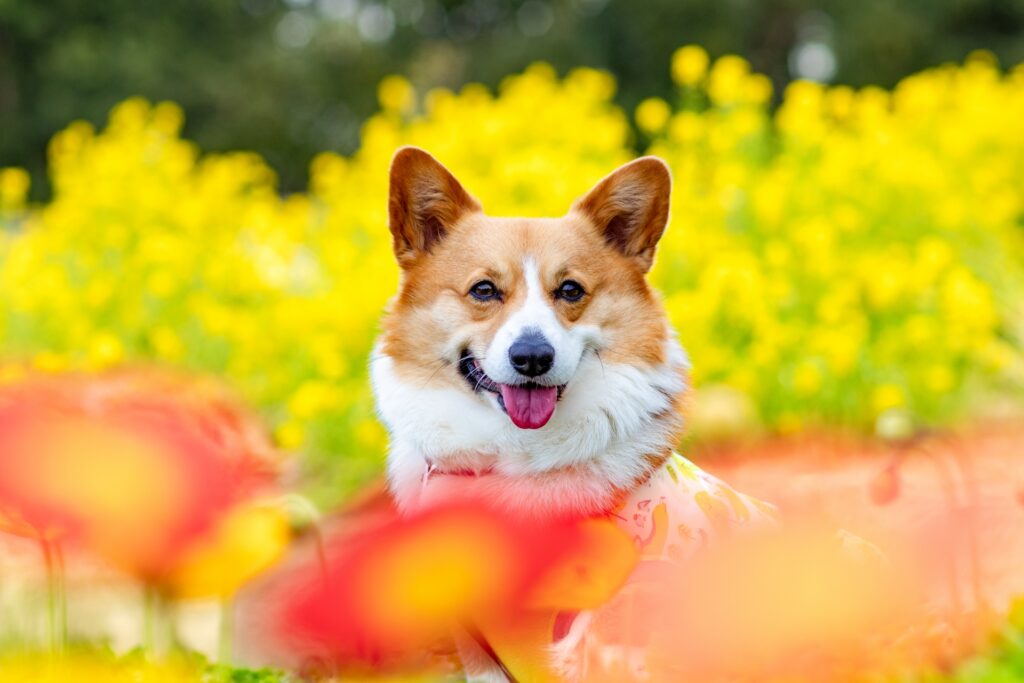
(630,207)
(424,203)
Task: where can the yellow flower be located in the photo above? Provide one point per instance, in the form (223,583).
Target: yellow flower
(689,64)
(167,118)
(105,350)
(162,283)
(652,114)
(396,94)
(686,127)
(11,373)
(247,542)
(166,343)
(727,79)
(887,396)
(940,379)
(14,185)
(49,361)
(840,101)
(848,230)
(290,435)
(757,89)
(310,399)
(807,379)
(369,434)
(98,668)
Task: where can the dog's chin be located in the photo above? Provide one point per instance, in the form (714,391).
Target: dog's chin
(529,405)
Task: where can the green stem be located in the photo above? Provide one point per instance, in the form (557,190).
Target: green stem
(149,619)
(225,638)
(159,635)
(62,594)
(56,598)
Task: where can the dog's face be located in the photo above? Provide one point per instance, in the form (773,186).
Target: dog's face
(505,323)
(511,306)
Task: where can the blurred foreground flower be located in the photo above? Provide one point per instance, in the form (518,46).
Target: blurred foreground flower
(385,597)
(248,540)
(804,603)
(793,605)
(137,467)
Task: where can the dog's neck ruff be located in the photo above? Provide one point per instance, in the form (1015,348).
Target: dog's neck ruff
(433,471)
(615,425)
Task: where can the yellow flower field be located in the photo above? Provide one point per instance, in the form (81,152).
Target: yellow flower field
(843,256)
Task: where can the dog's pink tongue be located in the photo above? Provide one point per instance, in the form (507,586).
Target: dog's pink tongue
(529,407)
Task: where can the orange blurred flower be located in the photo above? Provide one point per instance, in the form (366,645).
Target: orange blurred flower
(138,467)
(246,541)
(795,604)
(387,595)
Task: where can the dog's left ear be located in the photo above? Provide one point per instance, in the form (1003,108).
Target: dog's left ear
(424,204)
(630,207)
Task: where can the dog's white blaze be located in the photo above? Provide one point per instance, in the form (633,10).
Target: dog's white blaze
(536,313)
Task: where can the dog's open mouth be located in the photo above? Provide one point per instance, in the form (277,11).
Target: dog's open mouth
(529,405)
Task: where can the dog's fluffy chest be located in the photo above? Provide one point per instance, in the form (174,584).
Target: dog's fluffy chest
(612,422)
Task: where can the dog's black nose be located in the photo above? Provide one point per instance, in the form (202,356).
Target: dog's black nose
(531,354)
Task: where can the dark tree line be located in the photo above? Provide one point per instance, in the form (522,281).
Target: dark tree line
(288,78)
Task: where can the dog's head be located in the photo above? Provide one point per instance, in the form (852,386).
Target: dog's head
(513,321)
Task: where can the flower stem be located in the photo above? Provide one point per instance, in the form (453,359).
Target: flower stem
(56,596)
(226,635)
(148,617)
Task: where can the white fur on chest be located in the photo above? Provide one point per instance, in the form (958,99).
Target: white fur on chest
(596,442)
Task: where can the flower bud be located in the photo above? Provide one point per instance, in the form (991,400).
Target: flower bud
(885,487)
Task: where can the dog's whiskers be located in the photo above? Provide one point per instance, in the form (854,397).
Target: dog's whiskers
(480,379)
(441,365)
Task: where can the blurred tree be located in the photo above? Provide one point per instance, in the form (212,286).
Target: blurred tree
(288,78)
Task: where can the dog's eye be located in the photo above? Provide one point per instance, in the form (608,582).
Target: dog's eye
(570,290)
(485,290)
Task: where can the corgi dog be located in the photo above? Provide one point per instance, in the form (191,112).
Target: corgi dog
(529,362)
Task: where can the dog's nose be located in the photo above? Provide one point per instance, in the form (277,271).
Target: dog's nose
(531,355)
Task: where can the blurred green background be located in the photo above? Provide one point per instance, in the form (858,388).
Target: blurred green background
(290,78)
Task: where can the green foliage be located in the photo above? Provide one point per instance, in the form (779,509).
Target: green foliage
(227,674)
(1004,663)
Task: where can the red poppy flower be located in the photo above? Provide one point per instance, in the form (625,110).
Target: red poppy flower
(386,595)
(138,467)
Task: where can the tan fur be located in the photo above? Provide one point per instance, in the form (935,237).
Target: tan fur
(425,202)
(630,208)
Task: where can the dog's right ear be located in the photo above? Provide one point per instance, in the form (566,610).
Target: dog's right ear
(424,204)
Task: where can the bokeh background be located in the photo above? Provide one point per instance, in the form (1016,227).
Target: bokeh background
(201,187)
(291,78)
(844,253)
